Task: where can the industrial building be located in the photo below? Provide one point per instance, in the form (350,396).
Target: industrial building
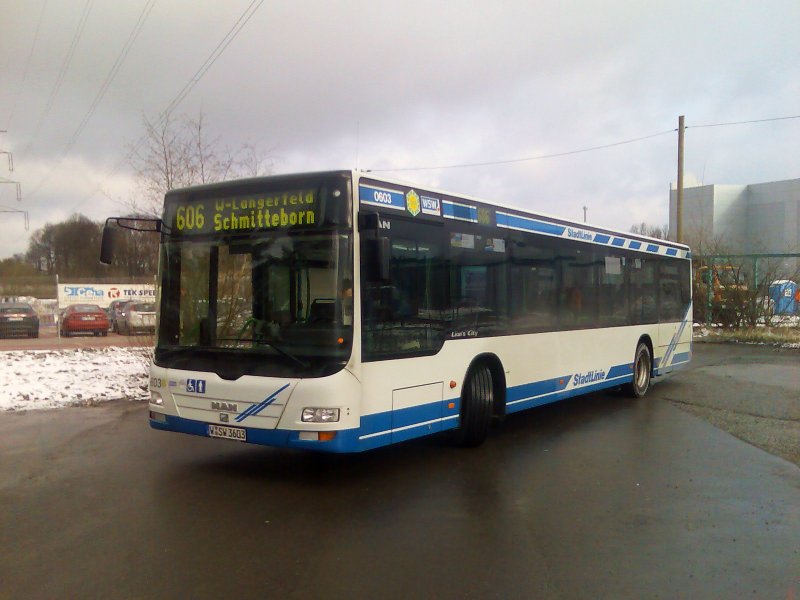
(741,219)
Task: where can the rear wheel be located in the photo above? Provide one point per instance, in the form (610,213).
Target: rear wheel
(476,407)
(642,367)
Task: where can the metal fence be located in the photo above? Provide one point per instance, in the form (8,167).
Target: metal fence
(738,289)
(43,292)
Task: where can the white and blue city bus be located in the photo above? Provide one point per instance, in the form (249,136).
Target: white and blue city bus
(341,312)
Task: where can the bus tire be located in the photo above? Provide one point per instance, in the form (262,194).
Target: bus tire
(642,367)
(476,407)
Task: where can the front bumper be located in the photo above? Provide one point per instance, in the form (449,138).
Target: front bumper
(18,328)
(346,440)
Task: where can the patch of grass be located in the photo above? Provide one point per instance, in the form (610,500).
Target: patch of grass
(774,336)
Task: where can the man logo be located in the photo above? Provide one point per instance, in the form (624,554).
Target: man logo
(224,418)
(412,203)
(224,406)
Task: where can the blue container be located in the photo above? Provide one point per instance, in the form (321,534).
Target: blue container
(782,293)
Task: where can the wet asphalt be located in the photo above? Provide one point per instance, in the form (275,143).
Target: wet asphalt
(600,496)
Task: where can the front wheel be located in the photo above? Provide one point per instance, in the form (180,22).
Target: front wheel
(642,367)
(476,407)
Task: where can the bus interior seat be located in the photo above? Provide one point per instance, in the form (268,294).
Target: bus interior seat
(322,310)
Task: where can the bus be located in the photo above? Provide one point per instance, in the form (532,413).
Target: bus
(341,312)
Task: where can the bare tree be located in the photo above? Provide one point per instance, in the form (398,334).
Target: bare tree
(653,231)
(732,288)
(177,153)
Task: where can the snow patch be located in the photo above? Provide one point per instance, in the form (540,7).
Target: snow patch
(37,379)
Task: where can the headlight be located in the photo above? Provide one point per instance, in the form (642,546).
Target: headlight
(320,415)
(155,398)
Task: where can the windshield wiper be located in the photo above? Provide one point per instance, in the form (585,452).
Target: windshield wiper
(280,350)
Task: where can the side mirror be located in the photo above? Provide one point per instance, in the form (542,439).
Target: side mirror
(133,223)
(377,261)
(107,244)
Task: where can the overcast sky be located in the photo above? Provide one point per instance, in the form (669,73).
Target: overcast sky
(389,85)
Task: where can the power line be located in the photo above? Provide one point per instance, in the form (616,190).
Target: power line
(212,58)
(579,151)
(27,65)
(137,28)
(62,71)
(530,158)
(232,33)
(744,122)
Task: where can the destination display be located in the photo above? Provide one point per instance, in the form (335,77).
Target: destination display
(282,210)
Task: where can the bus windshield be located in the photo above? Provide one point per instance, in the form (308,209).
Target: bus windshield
(277,304)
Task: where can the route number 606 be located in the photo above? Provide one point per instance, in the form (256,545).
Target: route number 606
(189,217)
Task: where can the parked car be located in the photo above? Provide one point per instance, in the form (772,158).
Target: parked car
(137,317)
(18,318)
(114,309)
(84,318)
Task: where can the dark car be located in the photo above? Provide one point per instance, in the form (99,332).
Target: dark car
(18,318)
(114,310)
(84,318)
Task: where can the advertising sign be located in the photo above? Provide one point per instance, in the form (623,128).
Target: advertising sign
(103,294)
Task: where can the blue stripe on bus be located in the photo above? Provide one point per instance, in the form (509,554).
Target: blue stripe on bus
(619,370)
(452,210)
(254,409)
(376,196)
(382,429)
(673,344)
(515,222)
(680,360)
(537,388)
(681,357)
(380,423)
(555,396)
(510,221)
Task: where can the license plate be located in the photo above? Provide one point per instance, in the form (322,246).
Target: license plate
(15,319)
(87,318)
(228,433)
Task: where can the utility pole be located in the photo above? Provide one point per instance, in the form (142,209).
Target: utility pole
(584,214)
(679,194)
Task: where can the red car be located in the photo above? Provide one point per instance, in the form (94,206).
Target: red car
(84,318)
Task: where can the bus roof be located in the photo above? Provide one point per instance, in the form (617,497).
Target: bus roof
(256,181)
(526,212)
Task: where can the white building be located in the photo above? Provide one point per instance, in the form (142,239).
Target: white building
(741,219)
